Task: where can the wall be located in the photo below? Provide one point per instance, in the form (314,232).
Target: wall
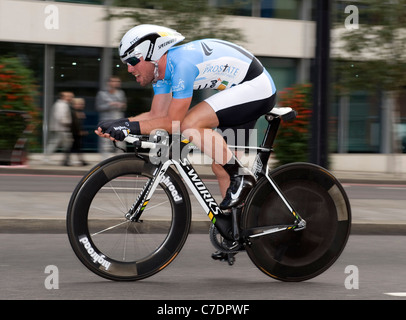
(83,25)
(379,163)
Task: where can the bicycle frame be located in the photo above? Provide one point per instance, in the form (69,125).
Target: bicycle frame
(199,189)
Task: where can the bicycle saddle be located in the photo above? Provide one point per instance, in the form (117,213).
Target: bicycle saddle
(286,113)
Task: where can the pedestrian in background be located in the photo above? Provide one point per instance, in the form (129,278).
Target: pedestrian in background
(111,104)
(60,127)
(78,116)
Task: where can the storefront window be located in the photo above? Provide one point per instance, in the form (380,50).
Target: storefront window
(83,1)
(364,124)
(281,9)
(77,69)
(356,123)
(282,70)
(401,127)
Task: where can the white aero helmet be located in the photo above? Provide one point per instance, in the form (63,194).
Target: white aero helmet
(148,41)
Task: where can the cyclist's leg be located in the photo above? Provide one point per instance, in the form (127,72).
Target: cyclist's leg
(236,135)
(240,104)
(197,127)
(222,177)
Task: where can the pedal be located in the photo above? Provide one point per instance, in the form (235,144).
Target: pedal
(223,256)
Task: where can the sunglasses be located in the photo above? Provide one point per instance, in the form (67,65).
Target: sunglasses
(132,61)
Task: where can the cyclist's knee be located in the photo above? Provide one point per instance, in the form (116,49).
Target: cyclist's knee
(189,128)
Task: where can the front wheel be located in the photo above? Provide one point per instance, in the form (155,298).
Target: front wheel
(320,200)
(109,244)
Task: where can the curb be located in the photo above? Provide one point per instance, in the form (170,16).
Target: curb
(203,172)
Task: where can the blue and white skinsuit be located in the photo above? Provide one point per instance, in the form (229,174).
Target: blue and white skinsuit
(246,90)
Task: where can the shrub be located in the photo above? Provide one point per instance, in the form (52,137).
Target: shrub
(18,107)
(292,141)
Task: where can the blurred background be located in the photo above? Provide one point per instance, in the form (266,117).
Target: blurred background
(72,46)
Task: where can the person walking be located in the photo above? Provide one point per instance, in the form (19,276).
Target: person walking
(78,116)
(60,127)
(110,104)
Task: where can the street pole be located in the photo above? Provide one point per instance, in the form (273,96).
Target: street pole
(319,137)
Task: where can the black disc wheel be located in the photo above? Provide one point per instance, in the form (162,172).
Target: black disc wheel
(320,200)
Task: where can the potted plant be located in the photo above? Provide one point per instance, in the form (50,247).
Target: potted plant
(18,110)
(292,141)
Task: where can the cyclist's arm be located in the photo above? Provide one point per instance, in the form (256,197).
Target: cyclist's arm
(159,108)
(172,98)
(164,111)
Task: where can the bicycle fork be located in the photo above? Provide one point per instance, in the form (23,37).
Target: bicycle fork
(134,213)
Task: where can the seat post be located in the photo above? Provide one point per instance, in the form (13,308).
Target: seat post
(267,142)
(271,131)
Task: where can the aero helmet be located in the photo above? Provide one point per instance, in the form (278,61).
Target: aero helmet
(148,41)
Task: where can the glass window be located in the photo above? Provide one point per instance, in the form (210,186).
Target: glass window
(356,123)
(77,69)
(281,9)
(364,124)
(83,1)
(401,129)
(282,70)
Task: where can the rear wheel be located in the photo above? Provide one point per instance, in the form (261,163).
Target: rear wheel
(114,247)
(320,200)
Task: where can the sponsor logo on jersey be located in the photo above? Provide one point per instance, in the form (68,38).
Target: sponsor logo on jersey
(206,49)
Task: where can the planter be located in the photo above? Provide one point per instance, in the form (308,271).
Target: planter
(16,152)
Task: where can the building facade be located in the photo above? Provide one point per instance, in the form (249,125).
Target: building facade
(70,46)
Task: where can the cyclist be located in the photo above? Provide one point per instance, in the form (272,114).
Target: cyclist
(246,91)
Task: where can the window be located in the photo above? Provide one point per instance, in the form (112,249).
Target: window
(281,9)
(77,69)
(282,70)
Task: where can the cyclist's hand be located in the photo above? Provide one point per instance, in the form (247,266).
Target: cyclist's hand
(118,129)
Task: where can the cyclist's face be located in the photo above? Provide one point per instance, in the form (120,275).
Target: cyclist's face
(143,71)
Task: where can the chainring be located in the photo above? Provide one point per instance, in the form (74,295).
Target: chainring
(222,244)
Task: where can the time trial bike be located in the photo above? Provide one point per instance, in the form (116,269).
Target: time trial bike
(130,215)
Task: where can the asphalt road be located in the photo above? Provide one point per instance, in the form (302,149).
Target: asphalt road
(43,266)
(35,266)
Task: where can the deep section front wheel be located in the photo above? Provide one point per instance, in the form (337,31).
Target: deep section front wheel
(320,200)
(108,243)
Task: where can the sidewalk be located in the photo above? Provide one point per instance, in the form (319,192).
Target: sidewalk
(368,216)
(37,165)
